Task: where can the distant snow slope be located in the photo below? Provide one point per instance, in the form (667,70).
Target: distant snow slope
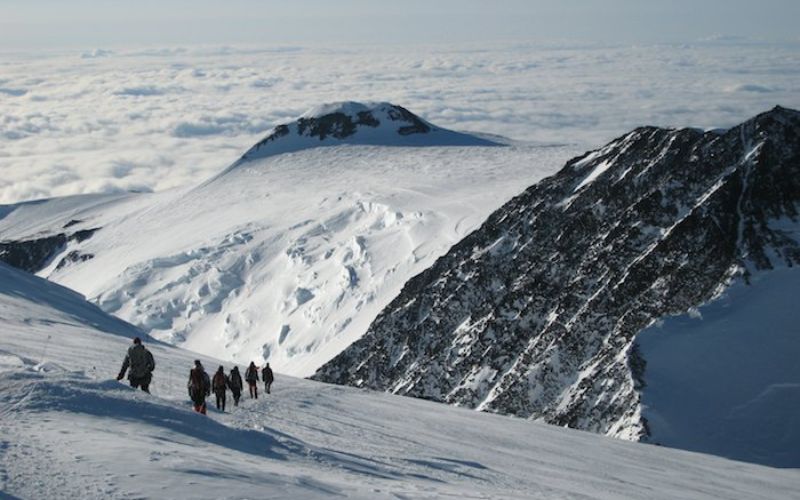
(288,257)
(68,431)
(725,379)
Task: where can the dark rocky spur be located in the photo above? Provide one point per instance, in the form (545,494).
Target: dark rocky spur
(535,313)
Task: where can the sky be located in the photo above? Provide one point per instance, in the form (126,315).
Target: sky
(99,96)
(102,23)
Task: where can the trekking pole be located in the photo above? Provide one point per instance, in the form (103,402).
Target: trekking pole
(44,349)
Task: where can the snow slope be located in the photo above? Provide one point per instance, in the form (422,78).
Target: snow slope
(286,257)
(725,379)
(69,431)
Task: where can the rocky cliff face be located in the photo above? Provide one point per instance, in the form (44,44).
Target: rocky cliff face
(535,313)
(32,255)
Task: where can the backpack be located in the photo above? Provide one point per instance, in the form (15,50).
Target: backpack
(198,382)
(220,382)
(235,381)
(251,375)
(141,361)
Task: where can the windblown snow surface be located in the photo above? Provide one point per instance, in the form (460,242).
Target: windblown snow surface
(287,255)
(70,431)
(725,378)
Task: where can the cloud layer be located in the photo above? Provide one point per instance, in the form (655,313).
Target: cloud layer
(162,118)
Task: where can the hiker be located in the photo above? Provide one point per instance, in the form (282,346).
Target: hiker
(199,387)
(218,384)
(251,376)
(267,377)
(235,384)
(141,364)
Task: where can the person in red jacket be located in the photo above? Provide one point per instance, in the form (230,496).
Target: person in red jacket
(251,376)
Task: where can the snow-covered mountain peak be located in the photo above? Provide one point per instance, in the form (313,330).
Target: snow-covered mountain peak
(778,112)
(349,122)
(351,108)
(778,124)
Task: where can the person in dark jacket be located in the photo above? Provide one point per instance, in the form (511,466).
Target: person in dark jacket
(199,387)
(268,377)
(141,364)
(219,384)
(251,376)
(235,384)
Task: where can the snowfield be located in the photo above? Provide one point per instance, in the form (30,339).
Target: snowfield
(70,431)
(285,257)
(724,379)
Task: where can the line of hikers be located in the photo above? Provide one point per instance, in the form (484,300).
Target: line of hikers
(141,364)
(200,386)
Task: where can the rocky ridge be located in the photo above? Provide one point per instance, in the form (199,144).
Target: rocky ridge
(536,313)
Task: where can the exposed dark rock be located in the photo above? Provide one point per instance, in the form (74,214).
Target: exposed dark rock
(416,125)
(338,125)
(74,256)
(32,255)
(277,133)
(535,313)
(366,118)
(83,234)
(345,123)
(71,223)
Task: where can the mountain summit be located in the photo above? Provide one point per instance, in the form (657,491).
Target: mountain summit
(381,124)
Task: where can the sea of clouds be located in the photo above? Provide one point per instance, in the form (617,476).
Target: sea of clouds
(155,119)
